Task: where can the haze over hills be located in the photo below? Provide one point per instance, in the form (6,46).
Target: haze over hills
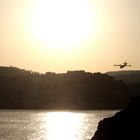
(128,76)
(24,89)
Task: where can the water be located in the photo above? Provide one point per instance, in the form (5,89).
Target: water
(49,125)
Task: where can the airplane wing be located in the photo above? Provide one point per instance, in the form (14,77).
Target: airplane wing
(117,65)
(128,65)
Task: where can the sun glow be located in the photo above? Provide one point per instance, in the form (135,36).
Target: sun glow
(62,23)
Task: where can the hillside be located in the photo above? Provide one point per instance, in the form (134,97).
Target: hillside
(129,77)
(23,89)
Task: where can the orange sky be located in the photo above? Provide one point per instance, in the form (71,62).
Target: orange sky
(61,35)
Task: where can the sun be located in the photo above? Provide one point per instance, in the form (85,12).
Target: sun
(62,23)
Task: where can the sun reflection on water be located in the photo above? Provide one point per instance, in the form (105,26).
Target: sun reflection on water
(49,125)
(63,125)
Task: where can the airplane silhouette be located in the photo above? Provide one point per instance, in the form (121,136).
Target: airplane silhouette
(123,65)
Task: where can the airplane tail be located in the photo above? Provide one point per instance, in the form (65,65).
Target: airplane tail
(125,63)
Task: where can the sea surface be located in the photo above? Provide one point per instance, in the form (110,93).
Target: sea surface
(50,125)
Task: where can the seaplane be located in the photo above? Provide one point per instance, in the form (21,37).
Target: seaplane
(123,65)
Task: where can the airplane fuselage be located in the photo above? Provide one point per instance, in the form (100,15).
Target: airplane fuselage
(122,66)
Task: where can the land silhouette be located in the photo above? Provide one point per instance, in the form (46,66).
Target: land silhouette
(123,125)
(24,89)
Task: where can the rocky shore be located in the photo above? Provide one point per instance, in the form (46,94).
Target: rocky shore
(123,125)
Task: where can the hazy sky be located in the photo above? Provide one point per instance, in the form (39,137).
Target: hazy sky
(61,35)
